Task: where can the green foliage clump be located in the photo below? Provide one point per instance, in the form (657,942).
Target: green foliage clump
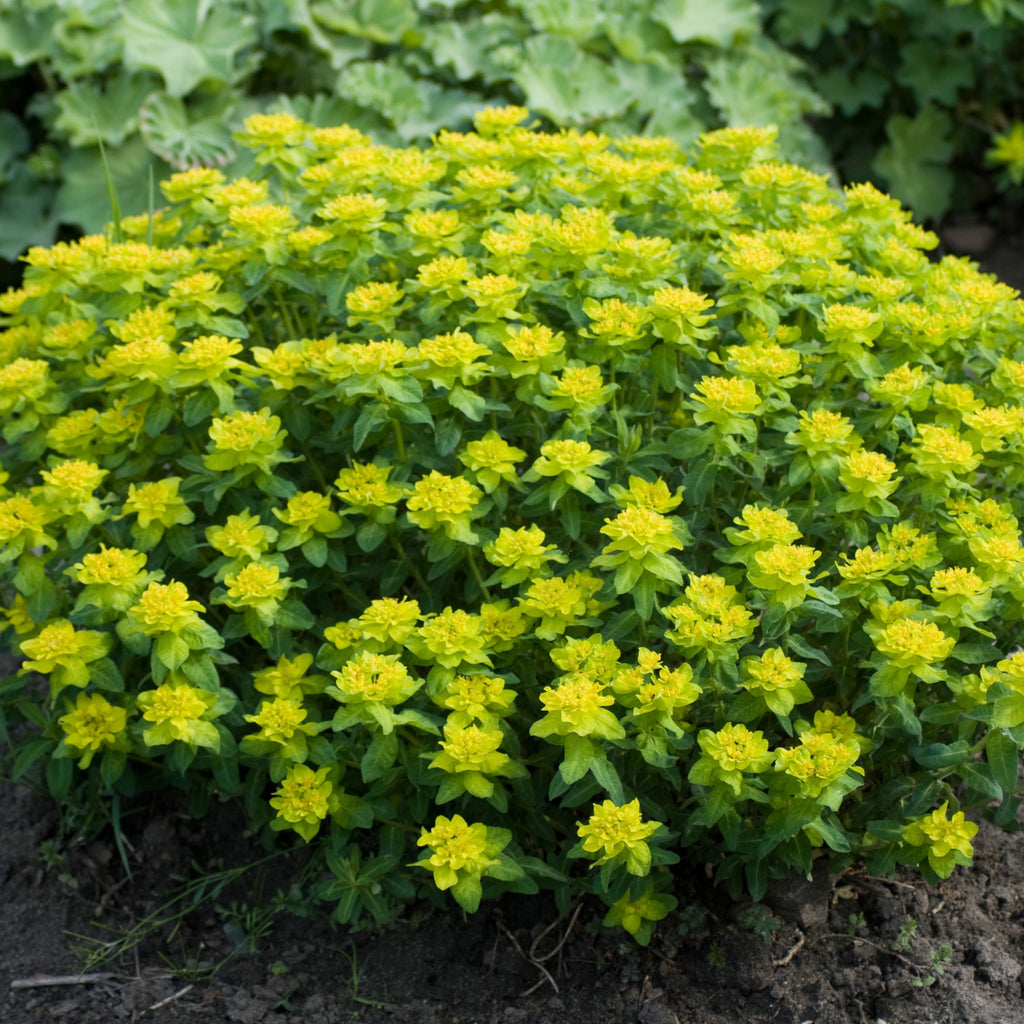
(921,89)
(161,84)
(530,510)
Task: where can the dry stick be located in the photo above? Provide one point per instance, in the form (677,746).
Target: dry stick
(561,942)
(792,953)
(170,999)
(43,980)
(540,967)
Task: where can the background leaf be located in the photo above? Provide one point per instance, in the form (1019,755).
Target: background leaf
(719,23)
(383,21)
(186,41)
(26,217)
(81,202)
(567,84)
(13,141)
(174,136)
(382,87)
(913,163)
(25,33)
(87,114)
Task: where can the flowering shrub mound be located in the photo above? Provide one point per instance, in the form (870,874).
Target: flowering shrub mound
(531,510)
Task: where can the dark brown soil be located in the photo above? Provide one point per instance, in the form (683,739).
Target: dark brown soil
(848,950)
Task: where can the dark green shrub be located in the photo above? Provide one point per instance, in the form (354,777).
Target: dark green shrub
(920,90)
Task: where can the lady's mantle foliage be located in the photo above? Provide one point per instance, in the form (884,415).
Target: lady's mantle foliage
(642,502)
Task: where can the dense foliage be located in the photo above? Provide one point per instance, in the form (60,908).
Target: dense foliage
(544,507)
(161,84)
(921,91)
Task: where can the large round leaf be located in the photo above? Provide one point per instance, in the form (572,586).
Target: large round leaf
(172,134)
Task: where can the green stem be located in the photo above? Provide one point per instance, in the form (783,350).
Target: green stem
(315,467)
(399,440)
(285,312)
(475,569)
(417,575)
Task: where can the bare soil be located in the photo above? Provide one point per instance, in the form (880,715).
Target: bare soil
(846,950)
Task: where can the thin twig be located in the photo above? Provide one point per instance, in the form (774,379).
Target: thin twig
(540,967)
(43,980)
(170,999)
(792,953)
(561,942)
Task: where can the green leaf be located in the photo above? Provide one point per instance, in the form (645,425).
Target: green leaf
(774,622)
(934,70)
(579,753)
(27,216)
(833,834)
(756,84)
(979,777)
(183,141)
(198,407)
(942,714)
(940,756)
(719,23)
(570,509)
(171,649)
(42,600)
(914,163)
(798,645)
(112,766)
(294,615)
(467,47)
(1003,757)
(370,536)
(383,21)
(665,366)
(626,576)
(467,892)
(59,774)
(576,20)
(621,625)
(566,83)
(643,597)
(104,675)
(27,32)
(87,114)
(372,417)
(14,141)
(315,551)
(447,434)
(976,654)
(380,756)
(717,803)
(383,88)
(29,753)
(187,41)
(690,442)
(470,404)
(604,771)
(200,670)
(1008,711)
(756,872)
